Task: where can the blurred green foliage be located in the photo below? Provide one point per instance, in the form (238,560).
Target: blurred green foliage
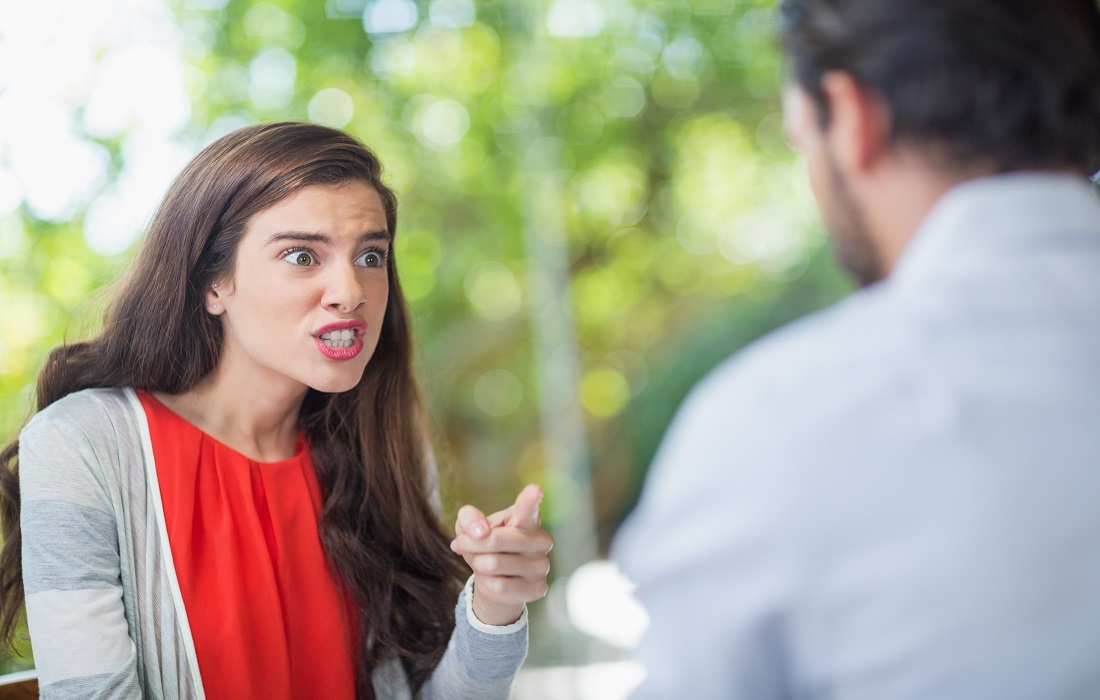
(652,127)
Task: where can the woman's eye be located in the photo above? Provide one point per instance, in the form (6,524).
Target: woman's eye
(299,257)
(373,258)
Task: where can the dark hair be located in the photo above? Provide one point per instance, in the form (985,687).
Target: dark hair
(1014,84)
(381,534)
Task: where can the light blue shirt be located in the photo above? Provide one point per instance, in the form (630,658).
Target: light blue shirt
(897,498)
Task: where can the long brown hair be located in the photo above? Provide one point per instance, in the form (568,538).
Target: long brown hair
(381,534)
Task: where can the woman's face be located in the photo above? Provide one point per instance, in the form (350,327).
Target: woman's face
(306,301)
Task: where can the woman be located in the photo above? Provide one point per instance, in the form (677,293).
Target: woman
(229,492)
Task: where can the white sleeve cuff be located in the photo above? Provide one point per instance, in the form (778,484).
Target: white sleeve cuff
(481,626)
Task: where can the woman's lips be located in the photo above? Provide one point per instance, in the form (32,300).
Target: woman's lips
(341,341)
(341,353)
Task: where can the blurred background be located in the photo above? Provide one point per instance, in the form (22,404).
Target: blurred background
(597,206)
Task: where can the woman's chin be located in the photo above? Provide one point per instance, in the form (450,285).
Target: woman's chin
(336,385)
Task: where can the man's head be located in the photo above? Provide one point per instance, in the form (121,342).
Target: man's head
(964,86)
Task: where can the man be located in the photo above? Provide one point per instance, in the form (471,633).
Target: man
(899,498)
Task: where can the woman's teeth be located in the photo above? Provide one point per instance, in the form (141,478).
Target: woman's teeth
(339,339)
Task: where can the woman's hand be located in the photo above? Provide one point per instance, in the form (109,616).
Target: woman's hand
(508,554)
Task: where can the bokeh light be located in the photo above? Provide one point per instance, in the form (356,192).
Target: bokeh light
(331,107)
(452,14)
(389,16)
(498,392)
(574,18)
(493,290)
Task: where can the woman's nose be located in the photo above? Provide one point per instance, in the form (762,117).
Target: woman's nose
(344,291)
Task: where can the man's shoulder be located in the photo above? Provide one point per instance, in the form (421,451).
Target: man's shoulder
(866,335)
(765,414)
(802,387)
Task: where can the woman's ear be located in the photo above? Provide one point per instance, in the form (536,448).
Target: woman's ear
(214,299)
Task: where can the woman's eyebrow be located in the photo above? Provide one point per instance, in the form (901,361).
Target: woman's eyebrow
(315,237)
(381,235)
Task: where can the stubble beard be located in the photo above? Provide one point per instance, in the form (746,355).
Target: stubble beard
(853,245)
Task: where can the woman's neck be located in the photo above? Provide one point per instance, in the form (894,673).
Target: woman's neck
(257,419)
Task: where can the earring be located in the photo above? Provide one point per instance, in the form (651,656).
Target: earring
(213,307)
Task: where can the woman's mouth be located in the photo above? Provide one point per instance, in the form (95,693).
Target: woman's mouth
(341,343)
(340,339)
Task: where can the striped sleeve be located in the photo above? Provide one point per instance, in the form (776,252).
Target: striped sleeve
(71,566)
(481,661)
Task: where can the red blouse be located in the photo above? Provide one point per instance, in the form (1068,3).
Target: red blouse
(264,611)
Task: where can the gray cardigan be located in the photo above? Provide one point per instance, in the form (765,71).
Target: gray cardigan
(103,603)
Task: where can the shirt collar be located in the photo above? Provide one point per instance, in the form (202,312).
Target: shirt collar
(976,217)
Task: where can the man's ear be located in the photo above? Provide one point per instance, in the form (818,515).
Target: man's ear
(858,124)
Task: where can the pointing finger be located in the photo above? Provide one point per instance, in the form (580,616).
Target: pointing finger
(525,512)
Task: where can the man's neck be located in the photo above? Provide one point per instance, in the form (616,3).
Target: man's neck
(900,194)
